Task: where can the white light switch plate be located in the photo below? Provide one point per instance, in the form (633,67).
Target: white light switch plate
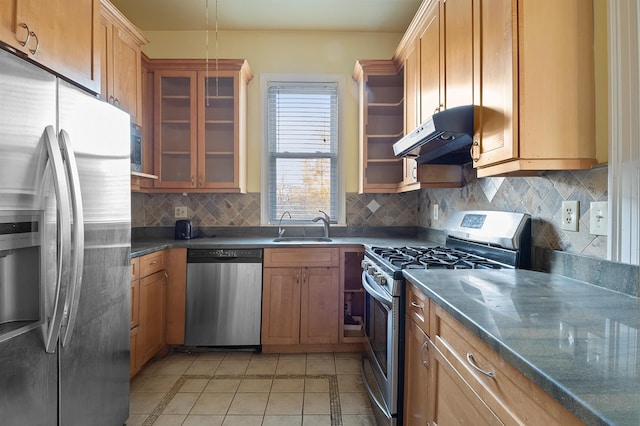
(599,218)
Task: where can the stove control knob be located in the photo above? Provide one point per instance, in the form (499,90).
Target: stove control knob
(380,279)
(371,270)
(364,264)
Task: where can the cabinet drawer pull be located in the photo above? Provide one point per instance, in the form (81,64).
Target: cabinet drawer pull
(35,49)
(153,262)
(417,305)
(475,151)
(26,40)
(424,354)
(472,362)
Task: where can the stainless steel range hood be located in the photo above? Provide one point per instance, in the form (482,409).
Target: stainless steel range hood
(444,138)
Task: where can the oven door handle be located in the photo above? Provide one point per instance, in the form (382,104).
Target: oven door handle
(385,299)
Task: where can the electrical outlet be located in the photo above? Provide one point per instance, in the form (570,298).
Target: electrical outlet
(599,218)
(435,210)
(570,215)
(181,212)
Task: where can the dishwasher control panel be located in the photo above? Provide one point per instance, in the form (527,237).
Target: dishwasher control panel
(221,255)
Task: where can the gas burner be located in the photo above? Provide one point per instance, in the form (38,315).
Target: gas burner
(399,258)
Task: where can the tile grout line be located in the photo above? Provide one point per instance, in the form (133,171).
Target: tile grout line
(151,419)
(334,396)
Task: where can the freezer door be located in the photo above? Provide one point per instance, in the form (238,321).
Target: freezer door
(28,375)
(94,361)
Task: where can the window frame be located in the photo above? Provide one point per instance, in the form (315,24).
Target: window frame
(265,81)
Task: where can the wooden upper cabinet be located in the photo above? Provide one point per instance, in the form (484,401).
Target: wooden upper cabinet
(61,35)
(381,101)
(175,128)
(457,38)
(121,76)
(412,88)
(200,125)
(534,84)
(432,83)
(431,72)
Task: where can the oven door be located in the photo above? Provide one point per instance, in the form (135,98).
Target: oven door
(380,363)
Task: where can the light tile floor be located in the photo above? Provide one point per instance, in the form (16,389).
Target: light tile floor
(250,388)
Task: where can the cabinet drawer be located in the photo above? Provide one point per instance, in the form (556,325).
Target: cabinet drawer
(507,392)
(152,263)
(135,269)
(301,257)
(418,308)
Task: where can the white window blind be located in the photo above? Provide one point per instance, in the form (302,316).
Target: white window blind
(302,139)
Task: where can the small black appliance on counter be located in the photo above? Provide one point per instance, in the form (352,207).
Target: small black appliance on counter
(183,229)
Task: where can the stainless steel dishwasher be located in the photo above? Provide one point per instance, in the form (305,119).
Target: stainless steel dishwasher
(224,297)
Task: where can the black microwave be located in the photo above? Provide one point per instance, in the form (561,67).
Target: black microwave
(136,148)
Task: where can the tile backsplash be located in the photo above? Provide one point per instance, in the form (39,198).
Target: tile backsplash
(540,196)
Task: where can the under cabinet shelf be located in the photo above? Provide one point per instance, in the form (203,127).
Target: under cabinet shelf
(219,122)
(386,136)
(176,153)
(398,104)
(384,160)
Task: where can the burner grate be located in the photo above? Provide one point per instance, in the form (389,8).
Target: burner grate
(433,258)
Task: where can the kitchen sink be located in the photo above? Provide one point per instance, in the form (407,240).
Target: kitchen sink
(302,239)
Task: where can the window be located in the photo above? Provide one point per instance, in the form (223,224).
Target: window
(302,161)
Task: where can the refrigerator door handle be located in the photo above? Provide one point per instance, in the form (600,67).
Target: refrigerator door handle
(64,238)
(77,259)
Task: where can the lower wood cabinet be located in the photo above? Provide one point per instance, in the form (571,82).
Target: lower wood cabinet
(454,400)
(148,295)
(300,305)
(152,306)
(453,378)
(281,306)
(300,297)
(175,306)
(417,380)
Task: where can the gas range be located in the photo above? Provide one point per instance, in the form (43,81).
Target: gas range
(474,240)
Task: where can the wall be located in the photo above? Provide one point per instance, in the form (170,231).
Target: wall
(288,53)
(540,196)
(157,210)
(316,52)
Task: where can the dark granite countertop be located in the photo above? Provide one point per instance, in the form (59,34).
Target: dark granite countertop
(145,246)
(577,341)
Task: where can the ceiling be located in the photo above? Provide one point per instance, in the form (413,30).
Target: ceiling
(267,15)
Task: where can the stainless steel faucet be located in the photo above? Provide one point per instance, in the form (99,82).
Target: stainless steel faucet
(325,222)
(280,229)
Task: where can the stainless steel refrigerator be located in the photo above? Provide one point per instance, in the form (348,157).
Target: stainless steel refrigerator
(64,252)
